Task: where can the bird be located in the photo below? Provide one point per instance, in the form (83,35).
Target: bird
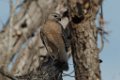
(53,38)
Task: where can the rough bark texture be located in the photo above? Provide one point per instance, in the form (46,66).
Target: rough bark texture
(84,41)
(23,54)
(85,52)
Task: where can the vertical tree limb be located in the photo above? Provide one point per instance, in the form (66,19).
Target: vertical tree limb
(84,39)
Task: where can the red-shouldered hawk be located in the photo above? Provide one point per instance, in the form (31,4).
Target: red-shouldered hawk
(53,37)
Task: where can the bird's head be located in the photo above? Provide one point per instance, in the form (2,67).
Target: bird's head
(55,16)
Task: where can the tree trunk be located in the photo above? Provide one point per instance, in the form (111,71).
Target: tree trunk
(85,52)
(84,34)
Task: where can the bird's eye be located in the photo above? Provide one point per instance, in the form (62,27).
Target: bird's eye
(55,16)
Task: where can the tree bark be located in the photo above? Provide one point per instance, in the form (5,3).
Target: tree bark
(85,52)
(84,34)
